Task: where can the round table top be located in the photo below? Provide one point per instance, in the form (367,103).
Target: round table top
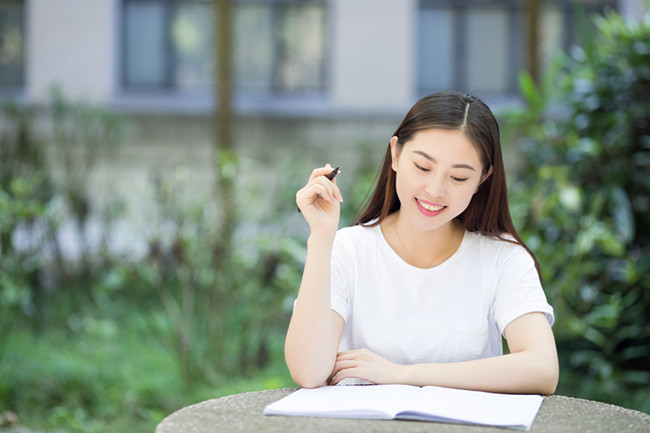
(243,413)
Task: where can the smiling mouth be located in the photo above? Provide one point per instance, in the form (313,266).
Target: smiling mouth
(430,207)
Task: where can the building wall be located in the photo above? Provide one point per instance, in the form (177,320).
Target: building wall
(71,43)
(372,82)
(371,68)
(373,43)
(74,44)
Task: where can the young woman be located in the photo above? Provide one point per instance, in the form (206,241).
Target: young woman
(420,291)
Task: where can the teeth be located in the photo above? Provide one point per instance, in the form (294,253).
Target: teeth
(430,207)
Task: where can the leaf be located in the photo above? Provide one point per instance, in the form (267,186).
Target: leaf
(529,91)
(623,215)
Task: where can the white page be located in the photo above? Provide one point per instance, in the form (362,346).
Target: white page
(475,407)
(410,402)
(371,401)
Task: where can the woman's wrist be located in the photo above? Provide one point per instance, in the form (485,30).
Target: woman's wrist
(401,373)
(410,374)
(321,239)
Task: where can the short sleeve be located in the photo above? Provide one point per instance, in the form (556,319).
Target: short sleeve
(519,290)
(342,273)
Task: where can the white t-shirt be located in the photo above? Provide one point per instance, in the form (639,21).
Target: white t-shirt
(456,311)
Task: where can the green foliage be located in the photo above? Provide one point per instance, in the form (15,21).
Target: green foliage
(124,340)
(203,312)
(28,217)
(105,373)
(224,302)
(19,210)
(357,190)
(81,134)
(35,199)
(587,147)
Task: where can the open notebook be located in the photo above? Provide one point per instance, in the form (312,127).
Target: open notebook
(429,403)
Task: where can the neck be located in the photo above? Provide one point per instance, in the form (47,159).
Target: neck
(424,249)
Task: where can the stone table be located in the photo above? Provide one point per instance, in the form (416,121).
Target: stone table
(243,413)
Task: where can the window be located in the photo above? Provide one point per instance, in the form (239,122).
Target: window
(12,46)
(167,45)
(278,46)
(478,45)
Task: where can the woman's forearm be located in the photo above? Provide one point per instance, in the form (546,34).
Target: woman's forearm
(531,367)
(512,373)
(522,373)
(310,347)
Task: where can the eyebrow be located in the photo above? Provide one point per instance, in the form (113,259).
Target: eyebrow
(432,159)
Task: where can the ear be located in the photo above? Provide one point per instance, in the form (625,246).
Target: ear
(484,178)
(394,151)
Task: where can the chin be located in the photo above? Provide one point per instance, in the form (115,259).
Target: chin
(428,224)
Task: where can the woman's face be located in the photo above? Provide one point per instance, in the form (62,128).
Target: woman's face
(437,173)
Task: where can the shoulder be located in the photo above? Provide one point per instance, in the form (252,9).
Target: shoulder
(355,241)
(504,249)
(356,233)
(352,246)
(506,242)
(507,265)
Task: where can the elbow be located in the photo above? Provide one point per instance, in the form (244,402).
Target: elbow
(307,382)
(307,379)
(539,376)
(548,377)
(304,374)
(552,382)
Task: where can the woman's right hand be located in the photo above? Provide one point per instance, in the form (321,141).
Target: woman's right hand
(319,201)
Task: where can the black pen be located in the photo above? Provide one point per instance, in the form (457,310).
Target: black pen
(332,174)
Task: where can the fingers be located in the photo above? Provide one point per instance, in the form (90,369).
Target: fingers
(319,186)
(326,189)
(342,373)
(326,171)
(321,171)
(350,354)
(363,364)
(346,365)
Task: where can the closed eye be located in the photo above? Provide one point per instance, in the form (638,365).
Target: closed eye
(419,167)
(459,179)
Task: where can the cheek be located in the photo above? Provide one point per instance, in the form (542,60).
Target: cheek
(465,201)
(465,195)
(406,185)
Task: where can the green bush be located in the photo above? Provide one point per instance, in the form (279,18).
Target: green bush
(28,218)
(209,299)
(35,271)
(220,298)
(587,150)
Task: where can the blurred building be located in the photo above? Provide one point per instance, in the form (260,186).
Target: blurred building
(318,75)
(293,56)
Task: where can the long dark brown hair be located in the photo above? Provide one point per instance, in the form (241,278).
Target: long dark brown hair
(488,212)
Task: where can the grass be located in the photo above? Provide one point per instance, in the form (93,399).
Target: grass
(100,375)
(96,376)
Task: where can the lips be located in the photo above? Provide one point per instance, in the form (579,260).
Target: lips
(430,209)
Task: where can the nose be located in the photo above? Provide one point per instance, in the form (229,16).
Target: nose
(436,185)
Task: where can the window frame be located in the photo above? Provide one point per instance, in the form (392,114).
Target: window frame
(516,34)
(17,88)
(169,86)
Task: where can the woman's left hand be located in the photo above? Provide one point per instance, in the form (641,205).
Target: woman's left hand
(363,364)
